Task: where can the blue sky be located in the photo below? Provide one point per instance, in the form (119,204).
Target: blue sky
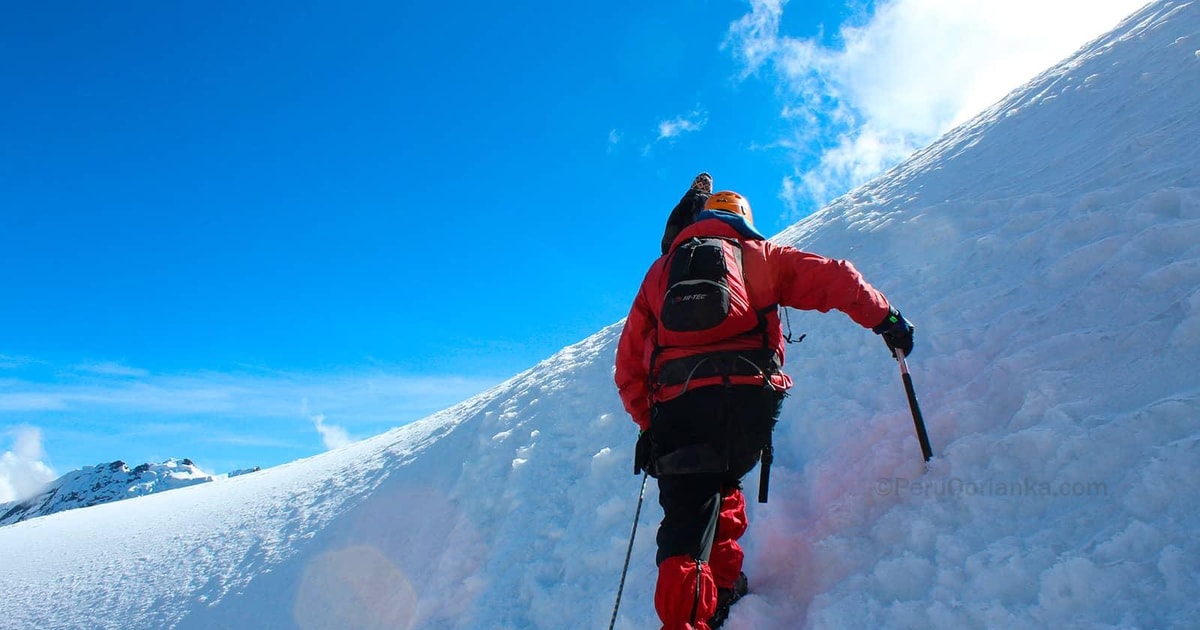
(244,234)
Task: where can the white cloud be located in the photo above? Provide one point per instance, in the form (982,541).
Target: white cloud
(8,362)
(614,138)
(905,74)
(692,121)
(167,413)
(756,34)
(332,435)
(373,397)
(22,471)
(252,408)
(110,368)
(15,396)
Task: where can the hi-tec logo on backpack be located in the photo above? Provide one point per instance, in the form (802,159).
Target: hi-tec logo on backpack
(705,297)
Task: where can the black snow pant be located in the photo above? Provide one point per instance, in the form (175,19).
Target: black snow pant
(721,431)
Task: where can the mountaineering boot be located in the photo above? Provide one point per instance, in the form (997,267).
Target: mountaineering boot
(727,597)
(703,183)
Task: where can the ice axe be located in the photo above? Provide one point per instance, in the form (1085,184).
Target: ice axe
(914,406)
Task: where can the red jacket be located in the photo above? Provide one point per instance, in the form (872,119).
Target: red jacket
(775,275)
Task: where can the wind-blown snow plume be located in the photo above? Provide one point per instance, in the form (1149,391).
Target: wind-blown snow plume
(332,435)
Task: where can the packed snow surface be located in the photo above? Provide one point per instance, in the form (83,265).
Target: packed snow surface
(1049,254)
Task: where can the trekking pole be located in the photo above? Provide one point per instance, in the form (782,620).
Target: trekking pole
(914,406)
(628,552)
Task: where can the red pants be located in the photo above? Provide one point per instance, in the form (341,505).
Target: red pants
(686,595)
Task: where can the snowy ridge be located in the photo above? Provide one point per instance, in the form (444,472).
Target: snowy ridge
(102,483)
(1049,254)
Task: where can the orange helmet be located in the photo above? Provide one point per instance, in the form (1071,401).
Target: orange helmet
(730,201)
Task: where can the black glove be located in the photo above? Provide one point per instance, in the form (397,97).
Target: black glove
(643,454)
(897,332)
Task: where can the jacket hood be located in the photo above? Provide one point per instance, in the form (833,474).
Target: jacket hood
(719,223)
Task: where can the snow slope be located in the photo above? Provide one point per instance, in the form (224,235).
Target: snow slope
(1049,253)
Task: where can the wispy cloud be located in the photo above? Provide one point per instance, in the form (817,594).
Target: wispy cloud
(371,397)
(110,368)
(257,441)
(203,432)
(153,414)
(614,139)
(692,121)
(22,471)
(901,76)
(10,362)
(17,396)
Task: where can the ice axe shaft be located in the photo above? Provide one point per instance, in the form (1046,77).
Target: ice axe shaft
(764,475)
(914,406)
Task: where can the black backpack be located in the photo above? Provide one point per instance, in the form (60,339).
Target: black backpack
(705,299)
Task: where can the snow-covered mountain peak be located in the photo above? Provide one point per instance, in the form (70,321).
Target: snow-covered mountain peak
(104,483)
